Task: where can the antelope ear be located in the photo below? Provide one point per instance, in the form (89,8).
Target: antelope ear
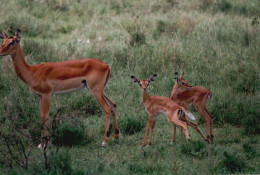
(135,79)
(3,35)
(18,35)
(182,74)
(176,76)
(152,78)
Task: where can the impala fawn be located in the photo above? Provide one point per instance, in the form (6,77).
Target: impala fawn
(197,96)
(157,104)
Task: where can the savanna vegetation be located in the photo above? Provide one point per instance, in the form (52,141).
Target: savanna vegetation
(215,42)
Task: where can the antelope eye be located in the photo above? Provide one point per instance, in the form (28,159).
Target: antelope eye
(11,43)
(183,83)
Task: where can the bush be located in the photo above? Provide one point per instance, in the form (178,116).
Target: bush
(70,134)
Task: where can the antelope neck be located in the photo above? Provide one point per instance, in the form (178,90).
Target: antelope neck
(175,91)
(145,96)
(22,69)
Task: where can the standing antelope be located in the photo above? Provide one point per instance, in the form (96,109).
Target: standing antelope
(197,96)
(157,104)
(61,77)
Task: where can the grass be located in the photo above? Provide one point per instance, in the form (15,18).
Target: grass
(216,44)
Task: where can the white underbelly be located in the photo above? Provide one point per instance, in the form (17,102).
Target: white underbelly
(66,91)
(163,112)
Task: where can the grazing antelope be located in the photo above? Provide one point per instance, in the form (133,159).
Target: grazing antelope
(61,77)
(157,104)
(195,95)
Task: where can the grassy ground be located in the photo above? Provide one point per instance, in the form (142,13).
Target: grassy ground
(216,44)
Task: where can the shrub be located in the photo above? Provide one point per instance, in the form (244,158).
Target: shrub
(70,134)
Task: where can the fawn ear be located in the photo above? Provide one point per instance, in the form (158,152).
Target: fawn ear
(3,35)
(152,78)
(135,79)
(18,35)
(176,76)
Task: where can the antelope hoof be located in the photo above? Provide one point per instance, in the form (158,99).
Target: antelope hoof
(212,138)
(172,142)
(104,144)
(188,140)
(40,146)
(207,140)
(116,136)
(148,145)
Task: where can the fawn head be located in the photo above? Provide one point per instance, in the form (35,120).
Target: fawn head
(10,43)
(181,81)
(144,83)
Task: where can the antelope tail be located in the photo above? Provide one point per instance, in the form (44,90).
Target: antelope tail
(189,115)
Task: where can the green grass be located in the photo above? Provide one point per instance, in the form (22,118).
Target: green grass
(215,42)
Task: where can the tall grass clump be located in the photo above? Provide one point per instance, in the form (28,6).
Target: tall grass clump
(131,124)
(137,36)
(232,163)
(71,133)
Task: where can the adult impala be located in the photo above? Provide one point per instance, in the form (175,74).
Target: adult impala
(197,96)
(61,77)
(157,104)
